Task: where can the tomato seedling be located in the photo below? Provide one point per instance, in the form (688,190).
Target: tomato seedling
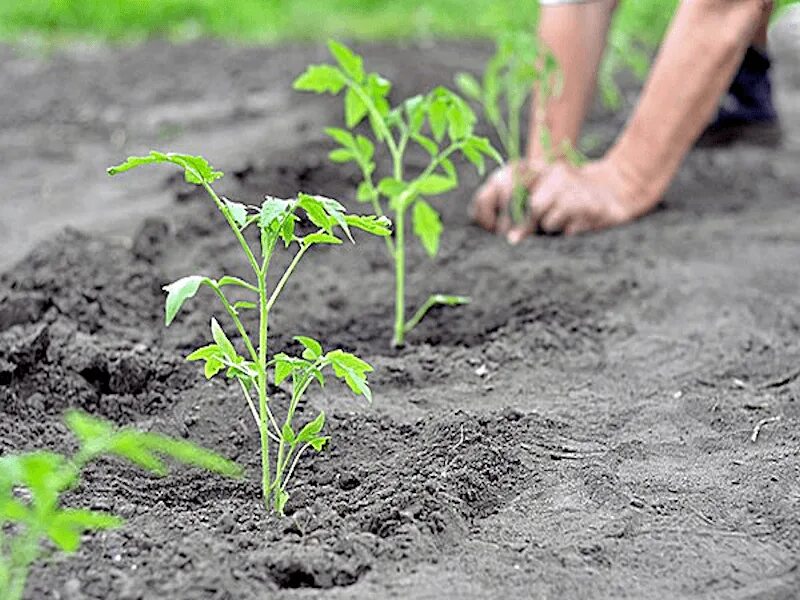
(519,65)
(440,122)
(32,485)
(275,219)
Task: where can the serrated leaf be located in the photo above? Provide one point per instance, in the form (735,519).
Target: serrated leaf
(320,79)
(366,149)
(311,429)
(350,62)
(212,367)
(87,428)
(311,345)
(315,211)
(196,168)
(179,292)
(238,212)
(319,442)
(352,370)
(436,184)
(320,238)
(354,108)
(380,226)
(287,229)
(427,226)
(189,454)
(272,210)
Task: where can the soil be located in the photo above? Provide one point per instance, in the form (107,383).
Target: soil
(582,429)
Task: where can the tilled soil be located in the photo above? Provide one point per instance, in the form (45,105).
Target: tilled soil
(581,430)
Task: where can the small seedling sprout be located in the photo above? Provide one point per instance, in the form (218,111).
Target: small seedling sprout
(32,486)
(520,64)
(275,219)
(440,122)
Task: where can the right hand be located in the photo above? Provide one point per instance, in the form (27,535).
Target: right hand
(490,205)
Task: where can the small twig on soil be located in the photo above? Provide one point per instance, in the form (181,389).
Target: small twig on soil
(760,424)
(782,381)
(453,449)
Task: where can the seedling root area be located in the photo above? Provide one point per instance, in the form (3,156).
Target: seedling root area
(611,416)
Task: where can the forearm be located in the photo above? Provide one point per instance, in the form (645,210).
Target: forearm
(697,61)
(576,35)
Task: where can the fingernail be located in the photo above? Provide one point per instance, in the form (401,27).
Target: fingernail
(514,238)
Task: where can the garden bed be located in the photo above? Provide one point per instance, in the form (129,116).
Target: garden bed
(582,429)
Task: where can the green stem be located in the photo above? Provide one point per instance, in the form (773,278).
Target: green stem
(400,274)
(297,394)
(262,387)
(239,326)
(235,227)
(288,273)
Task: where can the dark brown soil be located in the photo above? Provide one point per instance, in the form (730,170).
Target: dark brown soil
(581,430)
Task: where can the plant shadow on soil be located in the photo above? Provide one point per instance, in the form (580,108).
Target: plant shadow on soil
(580,430)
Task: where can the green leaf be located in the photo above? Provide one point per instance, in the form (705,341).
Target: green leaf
(179,292)
(196,168)
(281,498)
(366,192)
(66,526)
(286,365)
(350,62)
(344,137)
(222,340)
(287,434)
(238,212)
(212,351)
(427,143)
(341,155)
(87,429)
(391,188)
(313,349)
(415,108)
(189,454)
(352,370)
(366,149)
(311,429)
(272,210)
(437,117)
(229,280)
(436,184)
(287,229)
(320,238)
(319,442)
(459,121)
(354,108)
(212,367)
(380,226)
(315,210)
(469,86)
(320,79)
(427,226)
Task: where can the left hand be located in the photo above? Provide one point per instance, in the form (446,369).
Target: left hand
(578,199)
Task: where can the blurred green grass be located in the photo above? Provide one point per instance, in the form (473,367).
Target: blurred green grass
(260,21)
(265,21)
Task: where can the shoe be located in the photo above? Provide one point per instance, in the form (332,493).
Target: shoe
(747,113)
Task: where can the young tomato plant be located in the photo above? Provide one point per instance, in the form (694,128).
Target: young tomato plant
(440,122)
(31,486)
(520,64)
(275,219)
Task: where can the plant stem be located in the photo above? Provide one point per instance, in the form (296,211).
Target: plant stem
(288,273)
(262,386)
(239,326)
(236,231)
(400,274)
